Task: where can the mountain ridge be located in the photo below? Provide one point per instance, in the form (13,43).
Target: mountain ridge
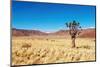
(22,32)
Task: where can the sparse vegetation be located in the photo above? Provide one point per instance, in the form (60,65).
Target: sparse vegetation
(47,49)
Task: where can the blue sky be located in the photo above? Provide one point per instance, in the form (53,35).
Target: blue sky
(50,17)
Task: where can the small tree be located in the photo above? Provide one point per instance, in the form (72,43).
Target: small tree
(74,30)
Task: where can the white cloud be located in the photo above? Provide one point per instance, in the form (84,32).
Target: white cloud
(88,27)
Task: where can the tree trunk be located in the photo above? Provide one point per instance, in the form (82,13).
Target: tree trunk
(73,42)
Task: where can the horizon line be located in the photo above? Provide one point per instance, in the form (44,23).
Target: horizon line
(51,31)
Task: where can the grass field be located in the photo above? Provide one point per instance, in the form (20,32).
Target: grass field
(51,49)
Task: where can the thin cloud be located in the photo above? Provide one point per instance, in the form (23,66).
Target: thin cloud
(88,27)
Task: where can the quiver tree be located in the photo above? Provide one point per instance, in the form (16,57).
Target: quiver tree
(74,30)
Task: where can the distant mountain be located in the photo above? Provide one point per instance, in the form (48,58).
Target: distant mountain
(91,33)
(21,32)
(60,32)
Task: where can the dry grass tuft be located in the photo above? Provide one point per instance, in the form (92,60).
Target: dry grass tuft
(41,50)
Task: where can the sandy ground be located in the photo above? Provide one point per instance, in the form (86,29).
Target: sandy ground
(51,49)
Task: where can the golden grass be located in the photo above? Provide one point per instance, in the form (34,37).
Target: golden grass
(47,49)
